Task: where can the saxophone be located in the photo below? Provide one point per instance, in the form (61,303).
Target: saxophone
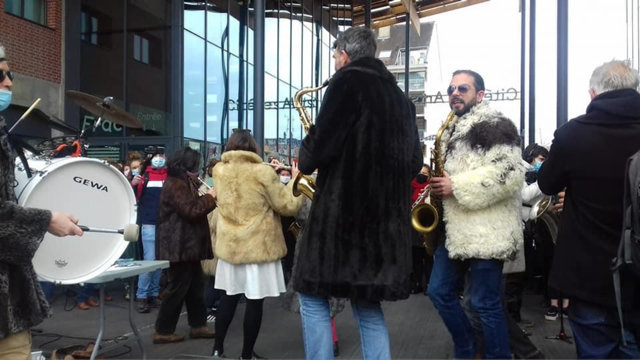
(304,184)
(426,216)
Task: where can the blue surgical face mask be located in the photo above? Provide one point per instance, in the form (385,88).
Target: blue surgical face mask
(285,179)
(5,99)
(537,166)
(157,162)
(135,172)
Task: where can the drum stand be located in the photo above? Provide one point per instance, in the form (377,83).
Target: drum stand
(561,335)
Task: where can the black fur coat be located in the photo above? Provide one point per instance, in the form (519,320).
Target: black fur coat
(22,303)
(357,240)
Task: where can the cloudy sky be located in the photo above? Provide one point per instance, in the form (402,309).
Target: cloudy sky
(486,38)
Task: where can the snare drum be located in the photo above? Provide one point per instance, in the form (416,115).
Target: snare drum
(92,191)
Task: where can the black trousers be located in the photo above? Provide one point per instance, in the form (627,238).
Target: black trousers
(185,285)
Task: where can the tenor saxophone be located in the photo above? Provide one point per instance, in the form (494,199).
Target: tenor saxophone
(426,216)
(304,184)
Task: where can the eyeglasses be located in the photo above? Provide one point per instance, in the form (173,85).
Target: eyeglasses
(4,74)
(462,89)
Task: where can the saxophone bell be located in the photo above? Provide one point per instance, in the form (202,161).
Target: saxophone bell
(304,184)
(426,217)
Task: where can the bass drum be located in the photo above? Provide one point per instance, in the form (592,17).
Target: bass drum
(92,191)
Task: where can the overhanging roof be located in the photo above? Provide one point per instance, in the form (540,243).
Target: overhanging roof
(335,13)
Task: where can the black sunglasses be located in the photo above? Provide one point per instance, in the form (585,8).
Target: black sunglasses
(4,74)
(462,89)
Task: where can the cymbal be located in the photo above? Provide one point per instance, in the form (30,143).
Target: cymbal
(103,107)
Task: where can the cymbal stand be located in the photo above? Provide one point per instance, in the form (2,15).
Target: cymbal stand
(560,335)
(106,103)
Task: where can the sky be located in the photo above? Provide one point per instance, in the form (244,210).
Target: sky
(486,38)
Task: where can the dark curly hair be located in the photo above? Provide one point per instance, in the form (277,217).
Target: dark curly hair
(183,160)
(533,151)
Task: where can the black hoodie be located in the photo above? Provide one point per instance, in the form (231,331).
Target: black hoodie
(587,158)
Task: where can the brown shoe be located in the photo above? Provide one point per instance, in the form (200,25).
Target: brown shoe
(83,306)
(202,332)
(92,302)
(167,339)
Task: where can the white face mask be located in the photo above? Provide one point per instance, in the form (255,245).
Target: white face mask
(285,179)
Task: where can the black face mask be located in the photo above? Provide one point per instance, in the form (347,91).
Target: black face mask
(421,178)
(530,177)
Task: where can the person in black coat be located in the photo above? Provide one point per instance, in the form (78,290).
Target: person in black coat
(587,157)
(357,240)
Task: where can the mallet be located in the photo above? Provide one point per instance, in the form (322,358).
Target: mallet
(130,231)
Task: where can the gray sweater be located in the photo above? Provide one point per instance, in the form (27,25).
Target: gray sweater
(22,302)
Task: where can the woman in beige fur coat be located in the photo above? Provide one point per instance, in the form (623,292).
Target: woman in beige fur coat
(249,240)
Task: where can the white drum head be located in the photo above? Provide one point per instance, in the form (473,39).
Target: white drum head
(95,193)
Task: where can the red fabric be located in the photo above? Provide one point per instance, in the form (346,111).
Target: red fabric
(417,189)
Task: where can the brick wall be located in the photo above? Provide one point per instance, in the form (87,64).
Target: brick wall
(34,49)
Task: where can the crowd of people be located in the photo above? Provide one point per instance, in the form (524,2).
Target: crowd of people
(356,240)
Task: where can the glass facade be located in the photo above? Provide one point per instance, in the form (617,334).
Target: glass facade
(124,49)
(218,72)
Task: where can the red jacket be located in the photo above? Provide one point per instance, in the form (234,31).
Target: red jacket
(417,189)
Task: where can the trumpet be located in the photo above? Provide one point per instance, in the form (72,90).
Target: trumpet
(200,191)
(276,166)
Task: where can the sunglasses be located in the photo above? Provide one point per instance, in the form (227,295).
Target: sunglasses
(462,89)
(5,74)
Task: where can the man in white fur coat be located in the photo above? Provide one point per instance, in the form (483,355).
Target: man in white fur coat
(480,192)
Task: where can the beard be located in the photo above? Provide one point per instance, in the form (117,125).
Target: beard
(465,109)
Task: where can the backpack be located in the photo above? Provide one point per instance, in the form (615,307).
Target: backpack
(628,256)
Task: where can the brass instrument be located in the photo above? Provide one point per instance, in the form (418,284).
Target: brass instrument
(541,206)
(304,184)
(276,166)
(425,217)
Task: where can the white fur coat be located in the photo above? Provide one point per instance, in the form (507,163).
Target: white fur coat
(483,158)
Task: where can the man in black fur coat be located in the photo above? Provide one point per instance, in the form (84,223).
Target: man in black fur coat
(357,240)
(22,302)
(588,157)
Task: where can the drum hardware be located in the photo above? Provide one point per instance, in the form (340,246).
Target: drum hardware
(33,106)
(104,109)
(130,231)
(61,262)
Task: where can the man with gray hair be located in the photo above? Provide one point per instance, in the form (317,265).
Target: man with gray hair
(357,239)
(588,157)
(22,302)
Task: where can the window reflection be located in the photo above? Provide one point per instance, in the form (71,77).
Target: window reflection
(193,101)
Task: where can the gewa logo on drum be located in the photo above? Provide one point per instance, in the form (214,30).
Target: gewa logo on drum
(90,183)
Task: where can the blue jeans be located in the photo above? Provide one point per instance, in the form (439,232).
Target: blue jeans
(596,330)
(316,328)
(485,277)
(86,291)
(149,283)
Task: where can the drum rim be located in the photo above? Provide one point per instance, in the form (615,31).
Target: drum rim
(56,164)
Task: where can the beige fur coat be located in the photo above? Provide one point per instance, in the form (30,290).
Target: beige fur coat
(250,199)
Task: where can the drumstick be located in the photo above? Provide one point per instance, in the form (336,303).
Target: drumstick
(35,103)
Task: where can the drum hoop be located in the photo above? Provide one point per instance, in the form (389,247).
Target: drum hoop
(56,165)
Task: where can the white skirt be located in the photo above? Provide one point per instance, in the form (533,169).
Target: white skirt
(255,281)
